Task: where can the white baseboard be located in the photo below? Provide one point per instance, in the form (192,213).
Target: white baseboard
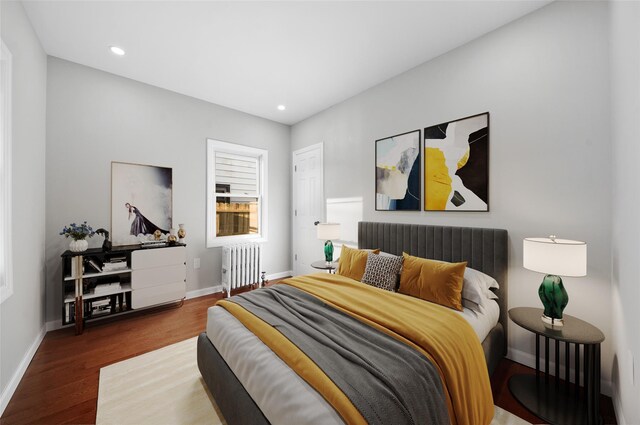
(22,368)
(529,359)
(617,407)
(279,275)
(204,291)
(54,325)
(218,287)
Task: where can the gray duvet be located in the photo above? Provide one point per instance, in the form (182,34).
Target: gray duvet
(382,377)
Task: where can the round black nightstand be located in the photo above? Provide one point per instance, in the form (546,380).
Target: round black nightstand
(323,265)
(561,402)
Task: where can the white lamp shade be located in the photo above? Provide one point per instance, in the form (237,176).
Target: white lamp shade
(561,257)
(328,231)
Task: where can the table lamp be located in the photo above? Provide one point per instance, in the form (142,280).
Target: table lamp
(328,231)
(554,257)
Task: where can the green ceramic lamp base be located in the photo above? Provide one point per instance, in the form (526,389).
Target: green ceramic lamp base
(328,251)
(554,299)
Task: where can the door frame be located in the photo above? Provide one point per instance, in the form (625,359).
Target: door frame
(323,214)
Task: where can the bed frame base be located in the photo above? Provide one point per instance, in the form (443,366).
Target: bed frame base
(237,407)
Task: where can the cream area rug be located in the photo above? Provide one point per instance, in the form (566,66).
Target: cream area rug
(165,387)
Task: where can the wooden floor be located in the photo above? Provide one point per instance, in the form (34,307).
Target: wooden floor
(61,384)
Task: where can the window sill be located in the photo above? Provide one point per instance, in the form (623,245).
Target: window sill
(232,240)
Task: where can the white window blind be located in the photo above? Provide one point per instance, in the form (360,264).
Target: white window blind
(238,174)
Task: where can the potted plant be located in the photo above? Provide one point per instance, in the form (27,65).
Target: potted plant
(79,234)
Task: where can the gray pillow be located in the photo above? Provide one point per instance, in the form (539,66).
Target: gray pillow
(382,271)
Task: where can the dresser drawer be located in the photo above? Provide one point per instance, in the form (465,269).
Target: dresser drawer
(161,257)
(145,278)
(146,297)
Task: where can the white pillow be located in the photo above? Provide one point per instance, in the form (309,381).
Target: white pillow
(476,289)
(485,281)
(476,308)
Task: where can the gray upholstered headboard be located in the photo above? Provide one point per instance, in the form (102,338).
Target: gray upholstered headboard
(483,249)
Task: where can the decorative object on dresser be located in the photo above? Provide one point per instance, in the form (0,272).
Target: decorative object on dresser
(456,165)
(96,283)
(241,265)
(106,244)
(181,233)
(554,257)
(78,234)
(550,398)
(172,238)
(328,231)
(141,202)
(398,172)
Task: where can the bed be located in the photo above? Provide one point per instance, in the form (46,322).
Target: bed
(242,373)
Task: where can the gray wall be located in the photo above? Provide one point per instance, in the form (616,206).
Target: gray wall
(544,79)
(625,128)
(22,315)
(95,117)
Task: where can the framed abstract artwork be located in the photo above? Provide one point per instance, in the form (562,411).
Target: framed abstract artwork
(398,172)
(141,201)
(456,165)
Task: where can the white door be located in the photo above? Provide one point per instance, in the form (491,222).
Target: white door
(308,208)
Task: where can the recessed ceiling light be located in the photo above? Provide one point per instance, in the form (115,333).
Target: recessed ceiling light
(281,107)
(117,50)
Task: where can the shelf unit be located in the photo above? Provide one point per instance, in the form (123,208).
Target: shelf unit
(81,303)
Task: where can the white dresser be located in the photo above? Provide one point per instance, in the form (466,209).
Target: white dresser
(158,276)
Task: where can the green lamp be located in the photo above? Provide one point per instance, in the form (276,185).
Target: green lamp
(554,257)
(328,231)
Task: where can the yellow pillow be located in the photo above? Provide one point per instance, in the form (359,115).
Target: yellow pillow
(435,281)
(353,262)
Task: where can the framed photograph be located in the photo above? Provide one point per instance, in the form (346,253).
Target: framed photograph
(456,165)
(141,201)
(398,172)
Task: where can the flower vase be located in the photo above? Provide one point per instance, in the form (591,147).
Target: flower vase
(181,233)
(78,245)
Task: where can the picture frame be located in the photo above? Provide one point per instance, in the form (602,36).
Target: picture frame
(456,165)
(141,202)
(397,178)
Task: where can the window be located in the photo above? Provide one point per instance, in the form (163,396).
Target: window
(6,280)
(236,193)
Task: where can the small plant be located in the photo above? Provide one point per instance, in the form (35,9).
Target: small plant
(77,232)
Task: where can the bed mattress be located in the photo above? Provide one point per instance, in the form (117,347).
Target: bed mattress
(277,390)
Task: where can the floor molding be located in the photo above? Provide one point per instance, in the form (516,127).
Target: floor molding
(218,288)
(529,359)
(617,407)
(22,368)
(279,275)
(204,291)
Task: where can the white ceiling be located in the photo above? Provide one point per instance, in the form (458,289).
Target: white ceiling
(253,56)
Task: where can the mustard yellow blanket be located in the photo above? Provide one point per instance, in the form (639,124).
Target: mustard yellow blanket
(438,332)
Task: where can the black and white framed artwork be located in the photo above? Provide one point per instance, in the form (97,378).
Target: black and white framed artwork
(141,201)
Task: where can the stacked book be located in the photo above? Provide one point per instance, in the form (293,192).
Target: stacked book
(105,288)
(115,264)
(153,243)
(100,307)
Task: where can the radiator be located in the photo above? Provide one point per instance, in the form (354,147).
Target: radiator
(241,265)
